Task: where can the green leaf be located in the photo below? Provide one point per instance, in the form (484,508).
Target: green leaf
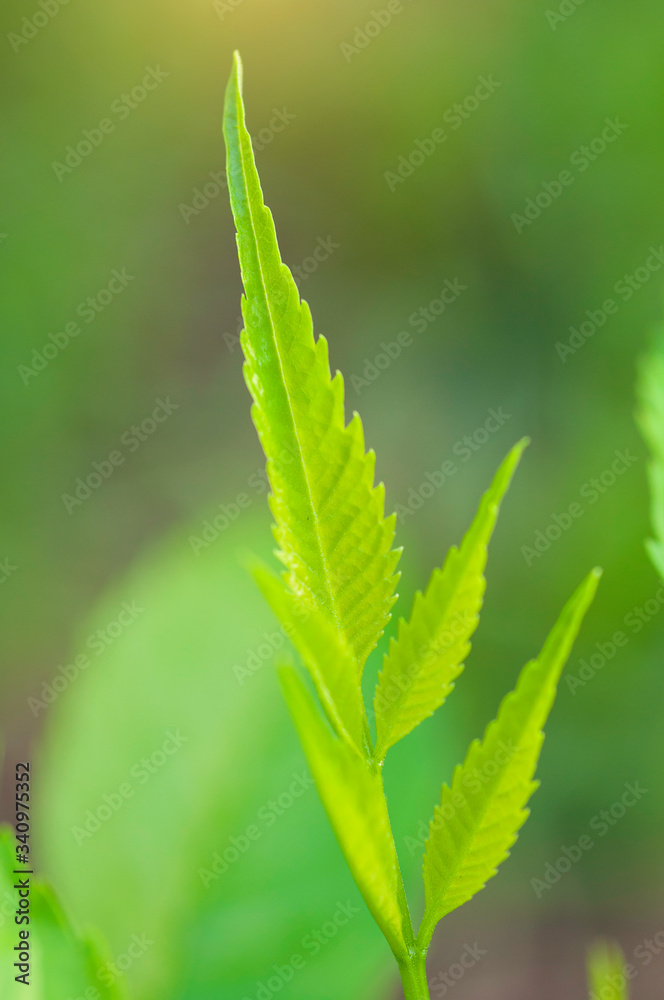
(650,417)
(479,817)
(62,962)
(328,661)
(421,665)
(199,658)
(352,793)
(607,975)
(180,667)
(330,526)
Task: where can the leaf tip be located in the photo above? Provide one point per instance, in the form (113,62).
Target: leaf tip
(514,455)
(236,72)
(233,95)
(591,582)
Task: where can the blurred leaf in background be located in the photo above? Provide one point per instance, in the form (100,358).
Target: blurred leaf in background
(175,805)
(651,421)
(58,961)
(607,971)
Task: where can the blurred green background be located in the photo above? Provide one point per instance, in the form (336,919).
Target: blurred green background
(338,98)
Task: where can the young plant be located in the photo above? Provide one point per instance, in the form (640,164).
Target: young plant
(650,392)
(335,598)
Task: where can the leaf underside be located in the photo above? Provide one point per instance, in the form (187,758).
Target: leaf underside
(480,815)
(333,537)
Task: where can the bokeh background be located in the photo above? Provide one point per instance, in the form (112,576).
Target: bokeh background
(333,111)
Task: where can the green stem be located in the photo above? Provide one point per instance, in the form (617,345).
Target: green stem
(414,977)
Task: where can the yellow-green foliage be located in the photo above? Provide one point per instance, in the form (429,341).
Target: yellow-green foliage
(335,600)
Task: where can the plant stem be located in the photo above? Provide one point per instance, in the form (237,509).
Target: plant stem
(414,977)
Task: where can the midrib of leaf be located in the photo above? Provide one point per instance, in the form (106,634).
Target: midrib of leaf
(330,602)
